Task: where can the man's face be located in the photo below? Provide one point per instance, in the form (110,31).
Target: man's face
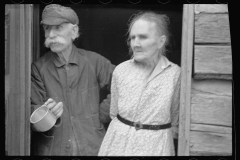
(58,37)
(144,41)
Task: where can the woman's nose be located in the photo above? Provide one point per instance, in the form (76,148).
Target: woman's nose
(136,42)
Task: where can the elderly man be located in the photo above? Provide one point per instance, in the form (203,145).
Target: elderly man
(75,76)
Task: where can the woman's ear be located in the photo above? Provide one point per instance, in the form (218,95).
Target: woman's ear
(162,41)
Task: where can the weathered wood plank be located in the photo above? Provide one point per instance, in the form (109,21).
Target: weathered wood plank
(211,109)
(211,8)
(18,111)
(7,19)
(28,60)
(216,87)
(212,60)
(212,28)
(186,76)
(13,111)
(207,143)
(213,76)
(211,128)
(22,41)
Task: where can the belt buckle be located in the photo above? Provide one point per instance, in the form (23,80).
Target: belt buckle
(137,125)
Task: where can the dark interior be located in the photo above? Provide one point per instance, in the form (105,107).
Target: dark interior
(104,28)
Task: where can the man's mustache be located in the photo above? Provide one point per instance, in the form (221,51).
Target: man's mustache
(59,40)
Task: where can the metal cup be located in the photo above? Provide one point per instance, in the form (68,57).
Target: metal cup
(43,119)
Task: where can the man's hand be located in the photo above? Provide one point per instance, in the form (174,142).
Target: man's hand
(54,107)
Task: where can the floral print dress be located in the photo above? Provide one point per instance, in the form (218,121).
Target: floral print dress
(152,100)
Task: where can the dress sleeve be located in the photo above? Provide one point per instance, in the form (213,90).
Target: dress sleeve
(114,97)
(175,107)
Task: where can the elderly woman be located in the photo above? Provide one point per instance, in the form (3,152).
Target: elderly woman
(144,94)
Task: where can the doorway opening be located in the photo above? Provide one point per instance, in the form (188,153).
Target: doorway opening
(103,29)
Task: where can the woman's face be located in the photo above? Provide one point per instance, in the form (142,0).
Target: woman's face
(144,41)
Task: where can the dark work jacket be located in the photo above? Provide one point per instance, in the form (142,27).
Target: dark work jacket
(77,84)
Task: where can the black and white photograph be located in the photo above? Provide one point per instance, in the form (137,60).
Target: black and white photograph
(118,80)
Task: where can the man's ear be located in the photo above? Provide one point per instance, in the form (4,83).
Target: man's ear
(162,41)
(75,32)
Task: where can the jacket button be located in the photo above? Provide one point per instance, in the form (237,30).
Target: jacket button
(68,146)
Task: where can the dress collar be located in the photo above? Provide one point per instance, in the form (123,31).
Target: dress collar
(161,65)
(59,62)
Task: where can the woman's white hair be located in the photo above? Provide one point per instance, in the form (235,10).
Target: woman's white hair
(162,23)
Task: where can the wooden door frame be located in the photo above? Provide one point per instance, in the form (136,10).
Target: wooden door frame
(186,79)
(186,71)
(21,52)
(18,106)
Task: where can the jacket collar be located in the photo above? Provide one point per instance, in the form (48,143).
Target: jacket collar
(59,62)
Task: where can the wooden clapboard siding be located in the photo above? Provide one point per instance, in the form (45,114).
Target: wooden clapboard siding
(211,8)
(186,75)
(214,61)
(211,102)
(211,99)
(18,110)
(212,28)
(211,109)
(211,118)
(206,143)
(211,128)
(212,86)
(210,140)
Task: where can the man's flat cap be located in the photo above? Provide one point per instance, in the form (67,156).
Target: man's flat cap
(55,14)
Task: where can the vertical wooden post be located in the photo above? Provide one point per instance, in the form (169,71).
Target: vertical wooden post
(186,77)
(13,111)
(18,110)
(28,61)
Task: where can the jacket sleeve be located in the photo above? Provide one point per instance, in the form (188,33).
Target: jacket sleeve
(104,74)
(38,92)
(175,107)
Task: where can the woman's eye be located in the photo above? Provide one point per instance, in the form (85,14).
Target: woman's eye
(142,37)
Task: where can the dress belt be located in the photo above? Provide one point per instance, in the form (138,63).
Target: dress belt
(139,125)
